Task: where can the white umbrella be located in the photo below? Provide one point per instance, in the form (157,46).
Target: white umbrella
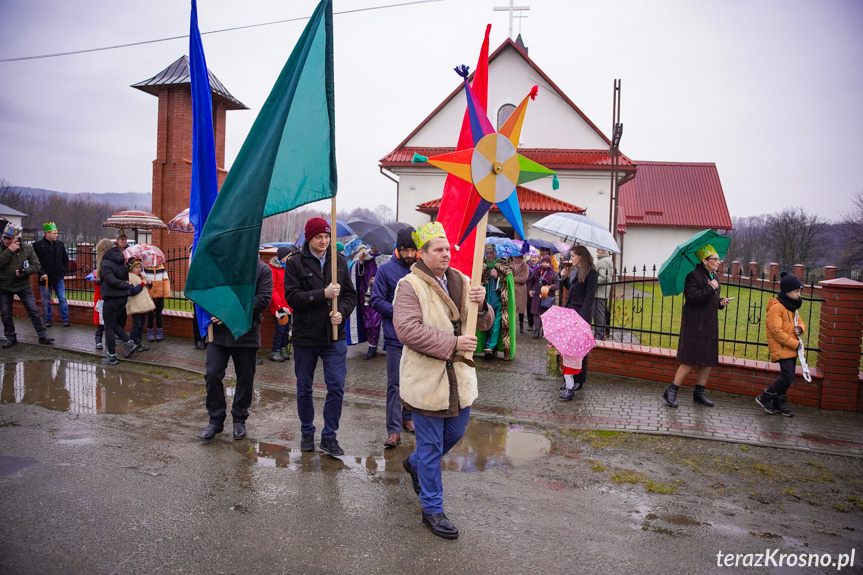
(575,227)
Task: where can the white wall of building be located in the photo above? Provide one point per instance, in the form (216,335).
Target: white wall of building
(649,246)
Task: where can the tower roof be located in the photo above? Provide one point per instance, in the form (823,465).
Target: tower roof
(178,73)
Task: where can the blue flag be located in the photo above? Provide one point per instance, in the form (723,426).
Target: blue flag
(287,160)
(205,182)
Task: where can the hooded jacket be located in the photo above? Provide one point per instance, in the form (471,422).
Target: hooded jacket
(781,339)
(11,261)
(113,275)
(304,291)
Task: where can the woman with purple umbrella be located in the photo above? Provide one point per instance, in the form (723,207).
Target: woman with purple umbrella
(582,292)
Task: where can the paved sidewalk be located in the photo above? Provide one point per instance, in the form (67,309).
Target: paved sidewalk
(520,391)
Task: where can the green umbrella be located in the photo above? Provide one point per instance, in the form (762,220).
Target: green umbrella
(673,272)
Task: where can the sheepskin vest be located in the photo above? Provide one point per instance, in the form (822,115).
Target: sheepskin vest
(423,380)
(142,302)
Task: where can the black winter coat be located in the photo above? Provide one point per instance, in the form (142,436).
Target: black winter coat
(582,295)
(53,259)
(263,292)
(304,290)
(113,275)
(699,322)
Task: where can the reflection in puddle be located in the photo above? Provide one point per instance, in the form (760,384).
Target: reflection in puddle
(10,465)
(62,385)
(485,445)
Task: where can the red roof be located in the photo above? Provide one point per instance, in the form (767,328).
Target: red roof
(625,163)
(550,158)
(674,194)
(528,200)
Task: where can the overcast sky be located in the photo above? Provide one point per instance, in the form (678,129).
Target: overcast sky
(769,90)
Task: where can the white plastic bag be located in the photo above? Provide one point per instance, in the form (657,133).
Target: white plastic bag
(801,352)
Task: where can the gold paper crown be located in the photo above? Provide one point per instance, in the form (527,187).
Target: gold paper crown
(705,251)
(49,227)
(426,232)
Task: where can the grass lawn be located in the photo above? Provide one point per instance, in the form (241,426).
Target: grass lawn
(743,320)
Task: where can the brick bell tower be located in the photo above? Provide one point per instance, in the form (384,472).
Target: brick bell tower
(172,168)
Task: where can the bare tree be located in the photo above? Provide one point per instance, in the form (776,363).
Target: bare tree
(851,229)
(795,237)
(384,214)
(748,240)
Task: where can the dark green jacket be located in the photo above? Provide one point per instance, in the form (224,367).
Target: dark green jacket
(11,261)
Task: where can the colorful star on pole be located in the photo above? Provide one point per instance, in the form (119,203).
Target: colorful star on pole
(493,165)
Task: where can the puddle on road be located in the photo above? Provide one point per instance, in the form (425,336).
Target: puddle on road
(484,446)
(62,385)
(10,465)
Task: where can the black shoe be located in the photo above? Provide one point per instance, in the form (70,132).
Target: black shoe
(698,396)
(131,346)
(779,405)
(48,324)
(46,340)
(767,400)
(521,329)
(211,431)
(330,446)
(670,395)
(98,345)
(415,478)
(139,346)
(373,351)
(567,394)
(239,430)
(110,360)
(200,345)
(489,354)
(66,324)
(440,525)
(10,342)
(307,443)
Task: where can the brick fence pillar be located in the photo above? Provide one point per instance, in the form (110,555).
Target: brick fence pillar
(753,270)
(839,339)
(800,272)
(774,272)
(829,272)
(735,269)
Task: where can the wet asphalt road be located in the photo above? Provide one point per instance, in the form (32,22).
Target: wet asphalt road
(138,493)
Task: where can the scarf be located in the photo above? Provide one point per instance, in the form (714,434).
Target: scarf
(790,304)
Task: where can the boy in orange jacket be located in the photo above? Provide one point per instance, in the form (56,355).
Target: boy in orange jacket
(784,328)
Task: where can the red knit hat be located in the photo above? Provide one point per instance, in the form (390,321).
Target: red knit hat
(316,226)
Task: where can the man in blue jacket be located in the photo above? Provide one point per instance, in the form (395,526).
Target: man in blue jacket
(309,289)
(383,294)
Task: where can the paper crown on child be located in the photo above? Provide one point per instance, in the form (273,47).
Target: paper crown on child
(11,230)
(426,232)
(120,233)
(49,227)
(705,252)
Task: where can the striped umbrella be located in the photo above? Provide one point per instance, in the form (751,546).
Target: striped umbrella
(135,219)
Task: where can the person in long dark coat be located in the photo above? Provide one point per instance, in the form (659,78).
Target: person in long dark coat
(543,277)
(582,292)
(699,327)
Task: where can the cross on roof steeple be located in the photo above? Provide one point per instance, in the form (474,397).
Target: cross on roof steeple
(511,9)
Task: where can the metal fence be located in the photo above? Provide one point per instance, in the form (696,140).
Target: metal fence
(638,313)
(83,260)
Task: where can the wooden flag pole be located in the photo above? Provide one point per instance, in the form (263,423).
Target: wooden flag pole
(476,278)
(334,264)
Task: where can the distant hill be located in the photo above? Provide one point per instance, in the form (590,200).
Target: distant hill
(128,200)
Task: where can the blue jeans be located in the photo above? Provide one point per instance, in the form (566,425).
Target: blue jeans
(396,414)
(281,336)
(435,437)
(59,289)
(334,358)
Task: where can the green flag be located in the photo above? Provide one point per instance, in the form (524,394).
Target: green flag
(288,160)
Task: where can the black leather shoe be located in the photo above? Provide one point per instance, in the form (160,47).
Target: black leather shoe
(440,525)
(10,342)
(330,446)
(307,443)
(239,430)
(200,345)
(698,396)
(211,431)
(371,353)
(670,395)
(46,340)
(415,478)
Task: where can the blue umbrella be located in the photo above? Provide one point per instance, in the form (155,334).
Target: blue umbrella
(505,247)
(543,244)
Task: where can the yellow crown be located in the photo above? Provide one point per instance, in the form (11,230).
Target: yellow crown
(49,227)
(705,252)
(426,232)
